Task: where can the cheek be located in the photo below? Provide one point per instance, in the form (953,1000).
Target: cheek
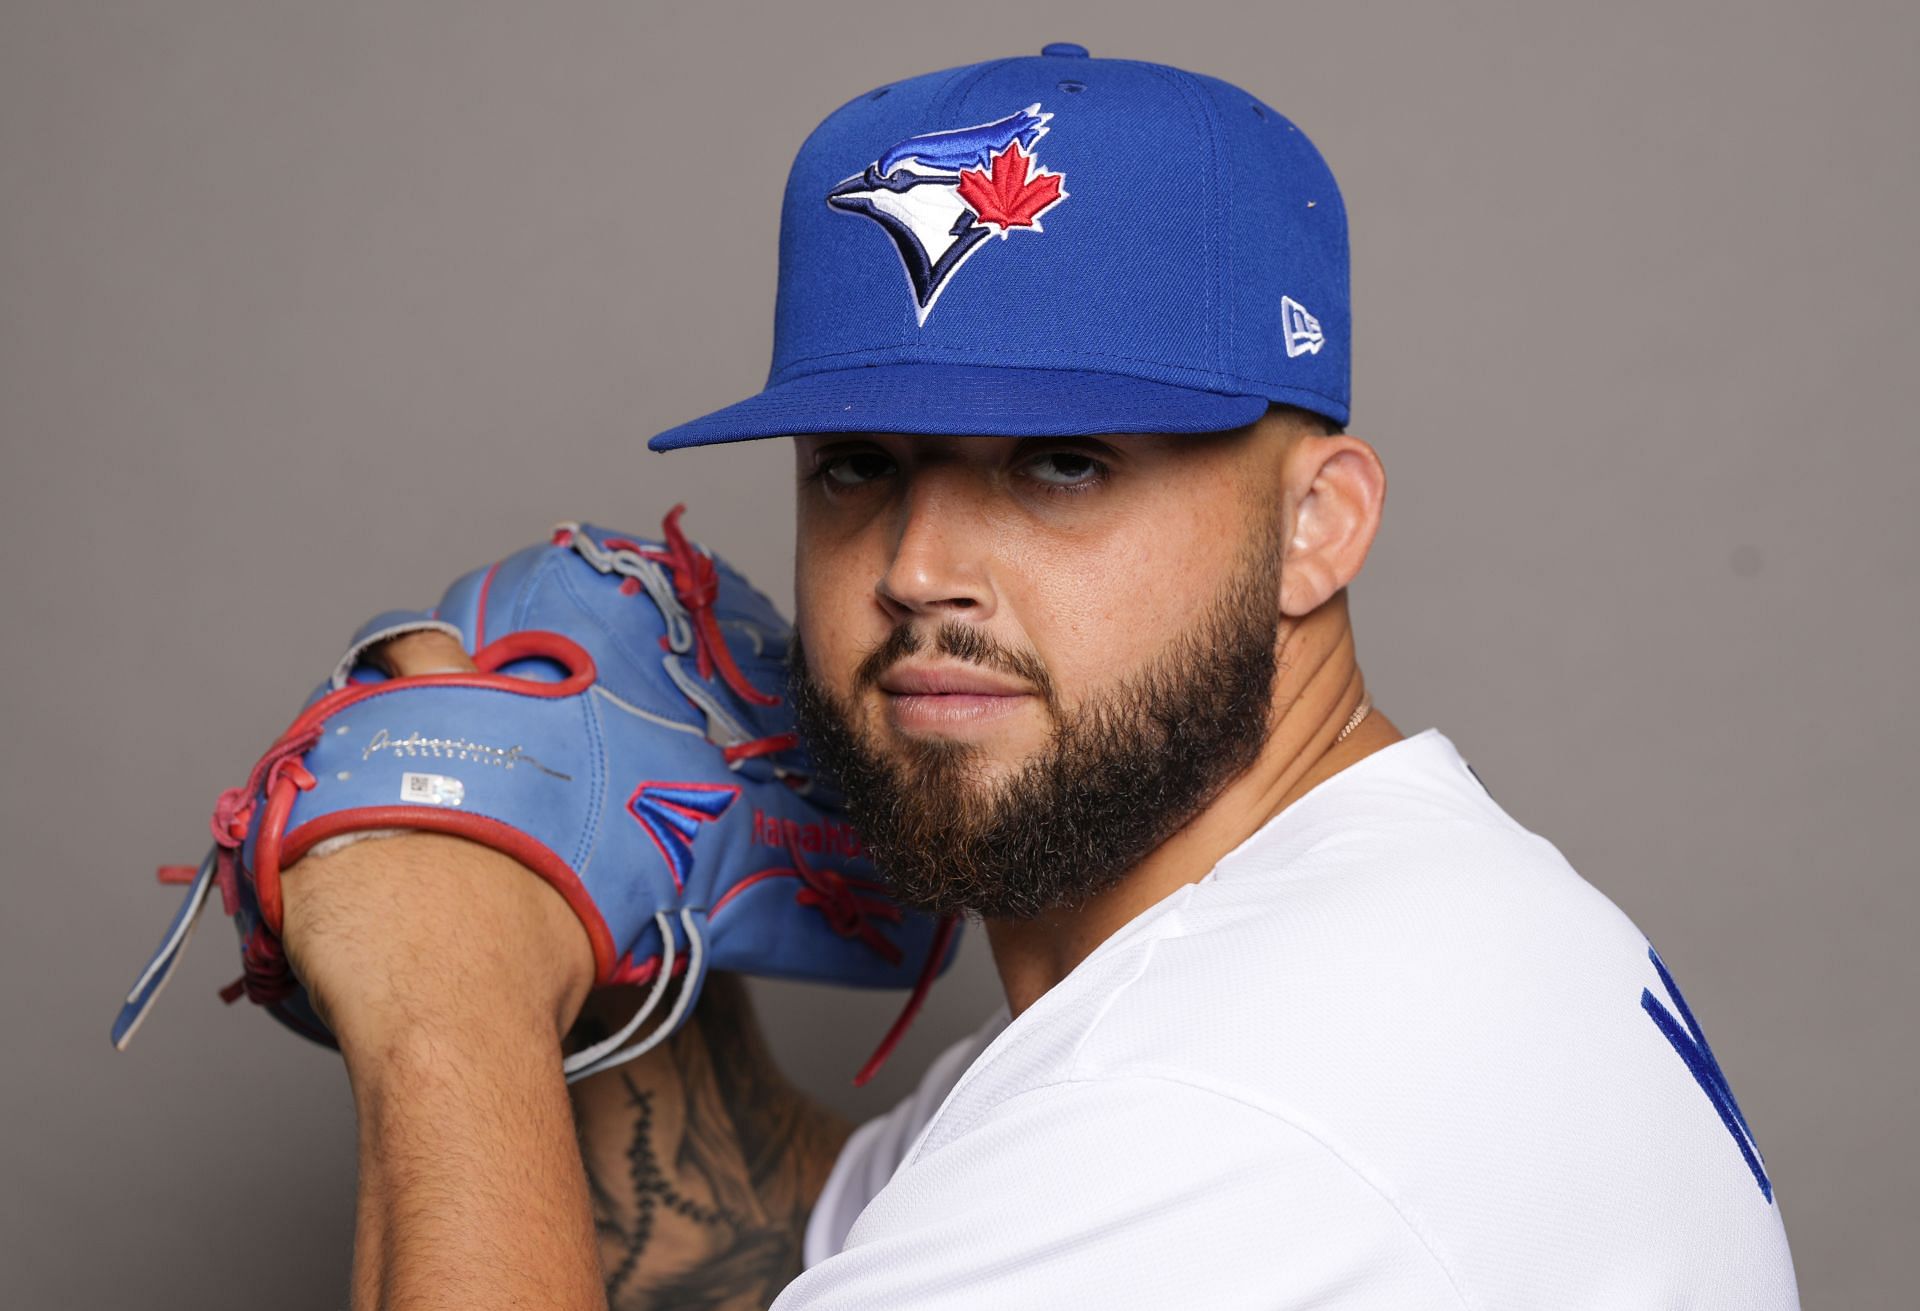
(1099,615)
(834,613)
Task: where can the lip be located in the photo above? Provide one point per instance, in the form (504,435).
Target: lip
(948,698)
(948,680)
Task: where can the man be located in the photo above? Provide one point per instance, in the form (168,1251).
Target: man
(1295,1015)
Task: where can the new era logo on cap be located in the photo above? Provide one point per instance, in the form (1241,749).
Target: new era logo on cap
(1303,335)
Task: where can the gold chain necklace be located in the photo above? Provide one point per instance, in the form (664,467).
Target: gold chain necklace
(1359,713)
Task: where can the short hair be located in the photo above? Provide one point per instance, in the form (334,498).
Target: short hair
(1308,419)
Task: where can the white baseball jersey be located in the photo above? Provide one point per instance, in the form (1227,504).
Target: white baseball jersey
(1392,1052)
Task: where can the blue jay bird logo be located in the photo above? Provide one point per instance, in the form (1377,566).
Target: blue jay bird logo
(940,195)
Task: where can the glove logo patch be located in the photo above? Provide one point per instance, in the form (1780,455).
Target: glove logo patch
(835,839)
(672,814)
(415,744)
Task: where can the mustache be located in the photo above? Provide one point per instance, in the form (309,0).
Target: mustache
(950,638)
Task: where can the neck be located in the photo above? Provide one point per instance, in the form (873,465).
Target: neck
(1316,693)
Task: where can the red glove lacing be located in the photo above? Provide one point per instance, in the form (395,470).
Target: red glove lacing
(267,978)
(847,911)
(942,938)
(696,584)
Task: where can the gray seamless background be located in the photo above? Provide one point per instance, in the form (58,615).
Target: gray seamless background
(305,309)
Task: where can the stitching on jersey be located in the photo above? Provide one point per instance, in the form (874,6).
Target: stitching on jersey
(1175,919)
(976,1067)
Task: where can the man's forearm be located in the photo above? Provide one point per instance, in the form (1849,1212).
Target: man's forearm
(701,1163)
(472,1193)
(703,1166)
(684,1178)
(471,1187)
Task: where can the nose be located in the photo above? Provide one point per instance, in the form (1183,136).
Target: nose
(939,568)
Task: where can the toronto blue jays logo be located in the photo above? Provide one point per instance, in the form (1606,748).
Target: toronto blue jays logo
(940,195)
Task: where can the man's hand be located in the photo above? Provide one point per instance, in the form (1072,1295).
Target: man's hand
(449,973)
(417,930)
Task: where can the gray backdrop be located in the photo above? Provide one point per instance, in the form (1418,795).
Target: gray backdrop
(306,308)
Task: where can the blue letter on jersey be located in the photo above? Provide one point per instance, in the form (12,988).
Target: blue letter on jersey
(1693,1049)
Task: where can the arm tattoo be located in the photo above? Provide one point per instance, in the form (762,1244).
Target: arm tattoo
(703,1164)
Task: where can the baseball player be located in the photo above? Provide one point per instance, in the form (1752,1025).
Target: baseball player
(1295,1014)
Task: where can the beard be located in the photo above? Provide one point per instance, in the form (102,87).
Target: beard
(1117,777)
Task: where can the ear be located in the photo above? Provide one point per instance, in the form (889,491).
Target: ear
(1337,488)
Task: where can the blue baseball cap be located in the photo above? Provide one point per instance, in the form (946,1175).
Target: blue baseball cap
(1051,246)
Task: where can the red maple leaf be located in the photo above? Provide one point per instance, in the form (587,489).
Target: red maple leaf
(1010,194)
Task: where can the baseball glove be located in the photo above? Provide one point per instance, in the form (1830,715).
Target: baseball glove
(624,738)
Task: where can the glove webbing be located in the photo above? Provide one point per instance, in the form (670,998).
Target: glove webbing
(683,582)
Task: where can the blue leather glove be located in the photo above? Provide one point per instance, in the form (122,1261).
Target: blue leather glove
(625,737)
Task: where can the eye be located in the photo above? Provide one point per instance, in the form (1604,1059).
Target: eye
(852,469)
(1066,471)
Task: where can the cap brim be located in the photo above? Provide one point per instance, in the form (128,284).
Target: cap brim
(969,400)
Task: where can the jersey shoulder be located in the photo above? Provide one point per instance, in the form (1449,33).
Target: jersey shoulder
(1402,973)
